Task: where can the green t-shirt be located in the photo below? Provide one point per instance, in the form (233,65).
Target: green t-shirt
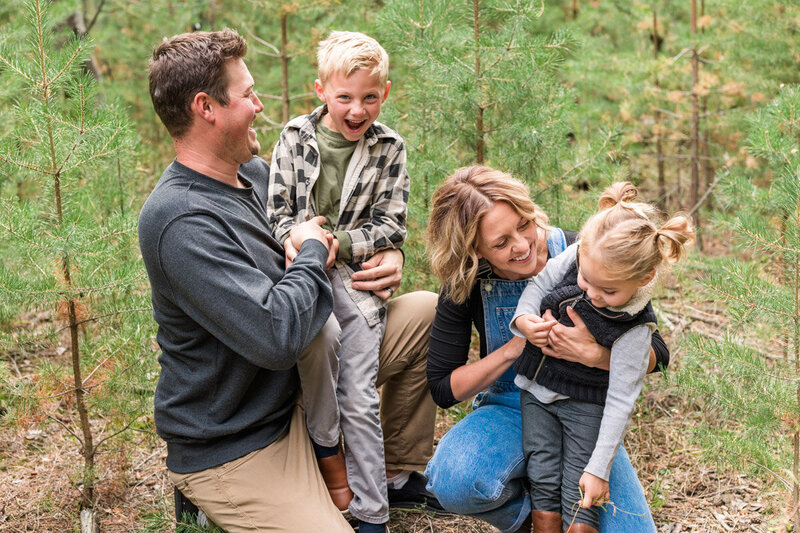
(334,153)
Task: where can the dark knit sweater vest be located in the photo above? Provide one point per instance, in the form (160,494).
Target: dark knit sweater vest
(574,379)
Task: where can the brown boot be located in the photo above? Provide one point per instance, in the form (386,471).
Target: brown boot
(546,522)
(581,528)
(334,472)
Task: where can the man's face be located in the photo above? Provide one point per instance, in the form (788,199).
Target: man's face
(354,102)
(236,119)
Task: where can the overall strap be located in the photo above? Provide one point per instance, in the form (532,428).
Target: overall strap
(556,241)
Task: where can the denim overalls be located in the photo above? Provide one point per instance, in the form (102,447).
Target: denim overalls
(478,468)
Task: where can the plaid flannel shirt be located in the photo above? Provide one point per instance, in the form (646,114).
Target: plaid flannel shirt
(374,200)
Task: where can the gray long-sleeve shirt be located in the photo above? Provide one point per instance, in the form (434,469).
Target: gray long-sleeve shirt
(231,321)
(630,357)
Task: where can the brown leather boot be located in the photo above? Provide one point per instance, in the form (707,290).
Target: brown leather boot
(334,472)
(581,528)
(546,522)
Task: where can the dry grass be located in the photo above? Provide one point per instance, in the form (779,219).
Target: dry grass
(39,493)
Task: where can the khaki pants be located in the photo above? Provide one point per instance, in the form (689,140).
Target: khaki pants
(408,413)
(277,489)
(407,410)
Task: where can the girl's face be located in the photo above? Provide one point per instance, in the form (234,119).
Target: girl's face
(603,289)
(512,244)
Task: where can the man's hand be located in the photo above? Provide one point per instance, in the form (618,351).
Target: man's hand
(382,274)
(595,490)
(310,229)
(332,252)
(575,343)
(535,328)
(291,251)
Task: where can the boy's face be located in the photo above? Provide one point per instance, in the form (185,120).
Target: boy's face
(354,102)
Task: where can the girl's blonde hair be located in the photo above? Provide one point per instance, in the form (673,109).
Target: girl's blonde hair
(345,52)
(459,205)
(627,241)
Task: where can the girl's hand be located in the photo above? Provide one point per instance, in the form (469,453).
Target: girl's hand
(535,328)
(595,490)
(575,343)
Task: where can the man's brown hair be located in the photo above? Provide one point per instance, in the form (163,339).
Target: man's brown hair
(187,64)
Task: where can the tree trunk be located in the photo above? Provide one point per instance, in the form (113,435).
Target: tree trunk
(479,143)
(284,70)
(662,186)
(695,183)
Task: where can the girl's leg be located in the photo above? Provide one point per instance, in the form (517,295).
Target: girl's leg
(630,512)
(581,424)
(541,443)
(478,467)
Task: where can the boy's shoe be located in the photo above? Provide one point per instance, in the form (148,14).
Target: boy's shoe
(334,472)
(415,497)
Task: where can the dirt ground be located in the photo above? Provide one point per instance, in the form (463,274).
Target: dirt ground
(39,490)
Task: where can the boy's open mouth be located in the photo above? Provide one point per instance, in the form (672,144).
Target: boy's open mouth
(354,125)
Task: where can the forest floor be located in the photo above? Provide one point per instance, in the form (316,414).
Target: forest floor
(686,494)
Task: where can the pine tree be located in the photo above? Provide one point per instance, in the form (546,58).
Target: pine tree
(750,380)
(70,250)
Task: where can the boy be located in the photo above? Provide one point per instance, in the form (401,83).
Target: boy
(340,163)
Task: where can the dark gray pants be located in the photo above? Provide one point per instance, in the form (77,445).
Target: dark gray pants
(558,439)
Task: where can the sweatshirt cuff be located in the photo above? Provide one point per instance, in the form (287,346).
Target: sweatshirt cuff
(313,247)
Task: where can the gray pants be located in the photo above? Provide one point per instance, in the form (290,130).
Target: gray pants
(338,374)
(558,440)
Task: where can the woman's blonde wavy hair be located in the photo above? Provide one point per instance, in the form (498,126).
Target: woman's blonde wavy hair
(624,236)
(459,205)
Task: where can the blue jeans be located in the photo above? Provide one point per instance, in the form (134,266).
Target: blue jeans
(478,468)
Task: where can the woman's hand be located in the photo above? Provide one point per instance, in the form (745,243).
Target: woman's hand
(595,490)
(575,343)
(382,274)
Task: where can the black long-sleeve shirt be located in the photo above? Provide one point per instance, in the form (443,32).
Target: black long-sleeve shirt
(451,337)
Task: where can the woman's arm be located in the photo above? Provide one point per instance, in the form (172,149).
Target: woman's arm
(468,380)
(450,378)
(579,345)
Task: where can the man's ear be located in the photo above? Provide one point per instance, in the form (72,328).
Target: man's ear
(319,90)
(204,106)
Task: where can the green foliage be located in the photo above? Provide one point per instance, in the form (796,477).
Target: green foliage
(69,244)
(752,392)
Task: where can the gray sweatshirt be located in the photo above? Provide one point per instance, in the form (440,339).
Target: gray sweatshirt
(231,321)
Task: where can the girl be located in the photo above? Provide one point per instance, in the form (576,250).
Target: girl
(575,417)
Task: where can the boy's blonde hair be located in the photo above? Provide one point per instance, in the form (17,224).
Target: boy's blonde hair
(459,205)
(627,241)
(345,52)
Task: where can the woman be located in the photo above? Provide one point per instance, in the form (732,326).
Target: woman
(486,237)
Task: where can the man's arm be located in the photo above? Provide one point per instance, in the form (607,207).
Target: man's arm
(218,285)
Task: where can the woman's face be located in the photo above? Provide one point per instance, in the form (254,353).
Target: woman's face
(513,245)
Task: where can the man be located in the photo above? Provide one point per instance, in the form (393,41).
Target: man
(233,323)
